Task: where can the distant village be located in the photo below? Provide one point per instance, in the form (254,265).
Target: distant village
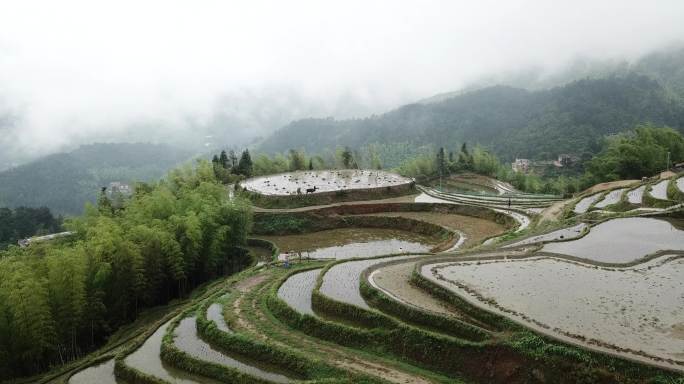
(564,160)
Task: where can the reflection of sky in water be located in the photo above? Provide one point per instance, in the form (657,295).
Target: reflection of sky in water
(341,282)
(296,290)
(639,307)
(622,240)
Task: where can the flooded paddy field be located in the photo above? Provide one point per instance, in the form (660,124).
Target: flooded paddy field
(612,197)
(215,314)
(341,282)
(475,229)
(187,340)
(561,234)
(624,240)
(585,203)
(636,195)
(324,181)
(296,291)
(146,360)
(659,190)
(344,243)
(101,373)
(637,311)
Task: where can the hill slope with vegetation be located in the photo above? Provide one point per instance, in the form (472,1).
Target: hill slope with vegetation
(509,121)
(64,182)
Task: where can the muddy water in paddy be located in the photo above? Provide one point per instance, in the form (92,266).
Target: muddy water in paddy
(475,229)
(345,243)
(640,307)
(146,360)
(341,282)
(624,240)
(296,291)
(260,253)
(187,340)
(101,374)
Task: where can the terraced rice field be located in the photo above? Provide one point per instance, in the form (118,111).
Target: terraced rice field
(392,279)
(187,340)
(345,243)
(146,359)
(341,282)
(612,197)
(659,190)
(585,203)
(325,181)
(636,310)
(636,195)
(623,240)
(560,234)
(296,291)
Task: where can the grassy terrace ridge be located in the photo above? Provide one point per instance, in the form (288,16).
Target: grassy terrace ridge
(390,341)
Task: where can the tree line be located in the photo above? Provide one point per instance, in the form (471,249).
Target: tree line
(641,152)
(61,299)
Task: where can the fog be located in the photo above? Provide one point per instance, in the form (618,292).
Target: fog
(225,72)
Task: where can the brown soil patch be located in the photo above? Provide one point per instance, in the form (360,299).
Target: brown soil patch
(610,185)
(399,199)
(554,211)
(475,229)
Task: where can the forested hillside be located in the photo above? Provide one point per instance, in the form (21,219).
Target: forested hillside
(59,300)
(64,182)
(511,122)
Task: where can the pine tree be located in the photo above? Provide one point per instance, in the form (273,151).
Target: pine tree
(233,159)
(311,165)
(244,166)
(347,157)
(224,160)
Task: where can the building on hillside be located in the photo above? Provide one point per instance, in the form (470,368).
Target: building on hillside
(566,160)
(119,187)
(521,165)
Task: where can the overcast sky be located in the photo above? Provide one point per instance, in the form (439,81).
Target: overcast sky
(77,71)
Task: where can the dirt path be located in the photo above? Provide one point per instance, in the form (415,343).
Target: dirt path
(249,316)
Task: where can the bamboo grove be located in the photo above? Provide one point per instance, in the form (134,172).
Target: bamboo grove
(60,300)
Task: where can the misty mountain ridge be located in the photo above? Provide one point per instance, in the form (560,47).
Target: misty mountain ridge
(510,121)
(65,181)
